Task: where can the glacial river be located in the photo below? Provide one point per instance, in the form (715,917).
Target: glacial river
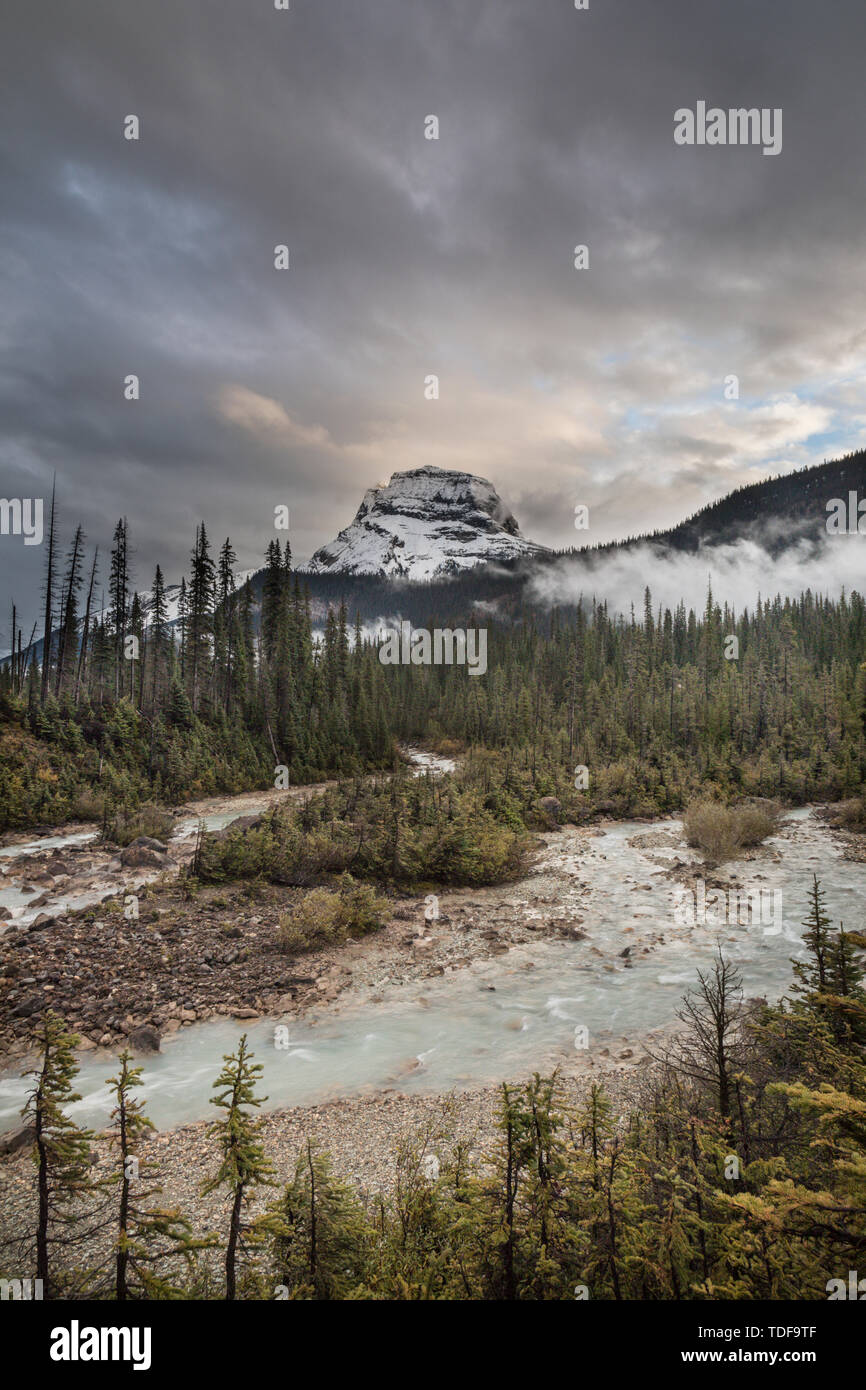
(519,1011)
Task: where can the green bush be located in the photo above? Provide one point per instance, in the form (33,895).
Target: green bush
(323,917)
(125,825)
(405,831)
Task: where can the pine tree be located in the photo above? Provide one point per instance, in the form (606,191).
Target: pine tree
(68,635)
(244,1166)
(81,669)
(199,615)
(318,1232)
(157,619)
(146,1235)
(48,626)
(118,588)
(813,972)
(62,1153)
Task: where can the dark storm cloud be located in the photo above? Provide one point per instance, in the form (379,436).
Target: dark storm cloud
(411,257)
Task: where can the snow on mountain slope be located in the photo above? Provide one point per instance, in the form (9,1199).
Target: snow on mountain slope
(424,523)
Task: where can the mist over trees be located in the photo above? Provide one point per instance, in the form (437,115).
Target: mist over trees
(128,702)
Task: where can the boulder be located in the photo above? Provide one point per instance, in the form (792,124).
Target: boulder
(551,808)
(240,824)
(41,922)
(144,852)
(26,1008)
(16,1139)
(145,1038)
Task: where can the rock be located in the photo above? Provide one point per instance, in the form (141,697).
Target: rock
(148,842)
(105,1040)
(41,922)
(25,1008)
(145,1038)
(241,824)
(16,1139)
(144,853)
(627,1053)
(551,807)
(244,1013)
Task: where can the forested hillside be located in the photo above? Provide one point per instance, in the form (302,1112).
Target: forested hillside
(123,708)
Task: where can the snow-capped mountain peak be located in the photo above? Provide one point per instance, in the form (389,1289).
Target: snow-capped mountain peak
(422,524)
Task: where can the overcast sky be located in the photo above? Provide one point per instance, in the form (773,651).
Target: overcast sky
(411,257)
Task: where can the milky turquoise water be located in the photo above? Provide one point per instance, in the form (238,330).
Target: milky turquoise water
(497,1019)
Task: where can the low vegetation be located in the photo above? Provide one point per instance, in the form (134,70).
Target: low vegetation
(850,815)
(324,918)
(122,826)
(722,831)
(405,830)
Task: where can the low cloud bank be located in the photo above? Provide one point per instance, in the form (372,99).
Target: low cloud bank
(738,573)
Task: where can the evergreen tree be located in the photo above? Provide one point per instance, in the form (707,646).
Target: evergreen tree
(146,1236)
(243,1166)
(65,1186)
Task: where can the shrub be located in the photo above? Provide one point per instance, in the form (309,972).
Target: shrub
(323,916)
(88,806)
(719,831)
(124,825)
(361,910)
(406,830)
(850,815)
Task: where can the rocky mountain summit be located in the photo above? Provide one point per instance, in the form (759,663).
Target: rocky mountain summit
(425,523)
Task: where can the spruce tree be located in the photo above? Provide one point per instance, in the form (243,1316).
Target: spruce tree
(65,1187)
(243,1165)
(146,1236)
